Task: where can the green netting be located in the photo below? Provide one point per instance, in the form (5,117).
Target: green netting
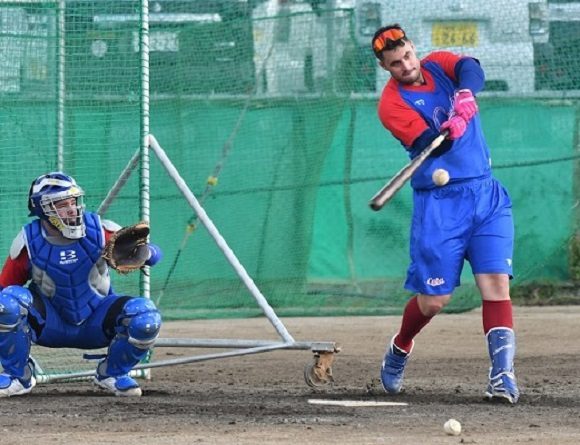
(278,102)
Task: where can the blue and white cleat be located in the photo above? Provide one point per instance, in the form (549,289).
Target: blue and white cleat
(18,386)
(122,386)
(13,386)
(503,386)
(393,368)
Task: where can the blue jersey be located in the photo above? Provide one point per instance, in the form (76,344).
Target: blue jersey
(73,276)
(407,111)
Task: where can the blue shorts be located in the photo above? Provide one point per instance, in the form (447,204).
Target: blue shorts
(57,333)
(467,221)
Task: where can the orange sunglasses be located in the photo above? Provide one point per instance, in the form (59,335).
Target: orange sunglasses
(392,34)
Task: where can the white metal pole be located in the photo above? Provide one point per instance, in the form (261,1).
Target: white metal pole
(61,90)
(330,43)
(145,283)
(145,280)
(220,241)
(121,181)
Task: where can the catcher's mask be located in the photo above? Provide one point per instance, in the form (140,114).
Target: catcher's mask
(57,199)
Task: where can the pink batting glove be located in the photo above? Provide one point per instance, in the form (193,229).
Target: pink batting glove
(455,126)
(464,104)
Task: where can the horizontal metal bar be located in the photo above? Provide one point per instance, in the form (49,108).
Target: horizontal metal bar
(239,343)
(47,378)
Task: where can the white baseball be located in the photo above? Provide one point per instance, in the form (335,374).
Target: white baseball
(452,427)
(440,177)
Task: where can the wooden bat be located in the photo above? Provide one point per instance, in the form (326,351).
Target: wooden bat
(398,181)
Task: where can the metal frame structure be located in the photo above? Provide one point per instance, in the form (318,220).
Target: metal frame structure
(316,374)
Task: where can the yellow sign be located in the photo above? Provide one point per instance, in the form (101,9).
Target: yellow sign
(444,34)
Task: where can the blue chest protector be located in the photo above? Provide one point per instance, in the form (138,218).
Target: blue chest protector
(69,268)
(469,156)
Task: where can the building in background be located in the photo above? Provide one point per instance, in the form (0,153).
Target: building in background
(27,48)
(293,53)
(303,46)
(195,47)
(500,33)
(558,55)
(280,47)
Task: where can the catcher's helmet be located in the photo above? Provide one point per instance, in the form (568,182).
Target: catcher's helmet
(46,191)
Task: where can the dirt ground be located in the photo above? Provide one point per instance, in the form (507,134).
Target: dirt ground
(263,399)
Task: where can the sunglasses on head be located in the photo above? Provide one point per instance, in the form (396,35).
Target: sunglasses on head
(392,35)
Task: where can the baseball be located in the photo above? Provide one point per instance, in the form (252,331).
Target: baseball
(452,427)
(440,177)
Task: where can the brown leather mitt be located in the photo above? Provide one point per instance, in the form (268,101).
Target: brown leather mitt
(127,249)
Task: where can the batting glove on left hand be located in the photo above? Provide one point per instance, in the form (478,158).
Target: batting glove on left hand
(464,104)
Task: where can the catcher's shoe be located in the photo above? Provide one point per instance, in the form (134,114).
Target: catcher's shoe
(123,386)
(503,387)
(13,386)
(393,368)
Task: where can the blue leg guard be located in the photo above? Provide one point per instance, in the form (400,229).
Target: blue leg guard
(137,329)
(15,342)
(393,368)
(502,380)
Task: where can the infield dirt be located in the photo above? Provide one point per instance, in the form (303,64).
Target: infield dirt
(263,399)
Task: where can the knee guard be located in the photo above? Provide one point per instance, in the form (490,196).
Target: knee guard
(140,321)
(501,343)
(16,300)
(137,329)
(15,335)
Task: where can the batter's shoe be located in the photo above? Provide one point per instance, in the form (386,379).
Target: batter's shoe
(393,368)
(122,386)
(503,387)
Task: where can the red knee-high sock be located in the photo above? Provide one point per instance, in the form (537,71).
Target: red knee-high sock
(497,314)
(413,322)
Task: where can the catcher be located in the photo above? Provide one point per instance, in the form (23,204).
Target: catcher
(64,255)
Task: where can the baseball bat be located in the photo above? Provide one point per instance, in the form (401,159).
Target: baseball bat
(383,196)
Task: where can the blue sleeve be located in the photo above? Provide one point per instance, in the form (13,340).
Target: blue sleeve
(423,141)
(470,75)
(156,255)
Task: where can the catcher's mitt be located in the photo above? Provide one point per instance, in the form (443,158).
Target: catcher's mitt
(127,249)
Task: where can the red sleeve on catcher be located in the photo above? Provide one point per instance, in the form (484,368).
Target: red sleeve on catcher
(398,117)
(17,271)
(108,235)
(445,60)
